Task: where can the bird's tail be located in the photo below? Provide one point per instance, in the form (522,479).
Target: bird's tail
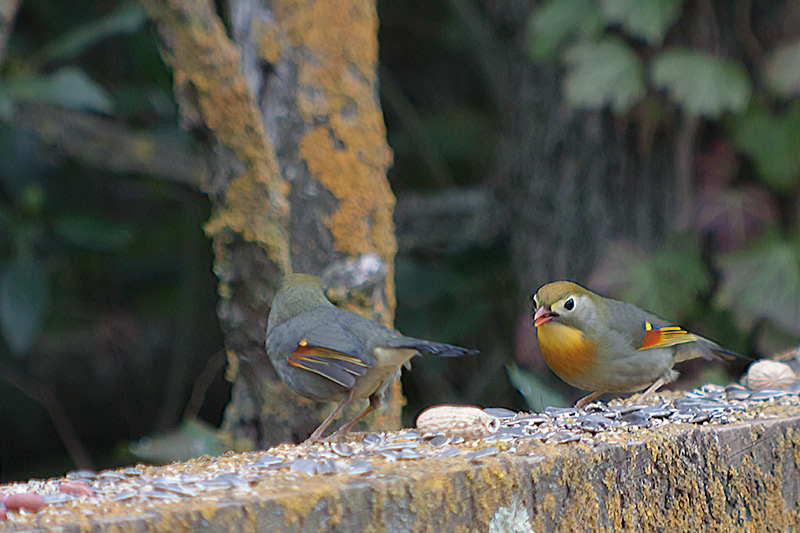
(706,349)
(424,347)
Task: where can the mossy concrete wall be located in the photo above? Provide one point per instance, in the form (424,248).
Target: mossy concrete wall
(743,476)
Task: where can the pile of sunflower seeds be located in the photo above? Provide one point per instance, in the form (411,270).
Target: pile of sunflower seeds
(361,455)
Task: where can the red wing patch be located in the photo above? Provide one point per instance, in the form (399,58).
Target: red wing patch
(665,336)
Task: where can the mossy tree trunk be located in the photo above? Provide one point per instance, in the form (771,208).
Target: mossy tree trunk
(297,145)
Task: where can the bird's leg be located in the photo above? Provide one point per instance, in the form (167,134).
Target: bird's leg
(325,423)
(651,389)
(375,400)
(586,399)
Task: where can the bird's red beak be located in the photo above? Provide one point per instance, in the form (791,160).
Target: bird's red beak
(542,316)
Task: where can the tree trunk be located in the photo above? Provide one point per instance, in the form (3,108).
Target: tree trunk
(292,115)
(575,183)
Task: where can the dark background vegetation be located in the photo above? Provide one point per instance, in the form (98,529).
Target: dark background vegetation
(499,114)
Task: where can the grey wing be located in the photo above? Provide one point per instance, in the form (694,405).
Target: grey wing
(630,321)
(636,324)
(324,348)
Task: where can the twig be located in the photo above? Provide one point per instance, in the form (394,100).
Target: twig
(187,323)
(215,363)
(8,12)
(684,166)
(45,397)
(111,145)
(399,103)
(744,29)
(486,48)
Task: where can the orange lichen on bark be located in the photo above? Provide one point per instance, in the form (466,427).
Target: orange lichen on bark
(208,73)
(337,85)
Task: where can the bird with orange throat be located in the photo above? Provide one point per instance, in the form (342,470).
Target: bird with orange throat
(603,345)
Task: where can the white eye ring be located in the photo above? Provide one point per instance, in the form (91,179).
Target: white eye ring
(569,304)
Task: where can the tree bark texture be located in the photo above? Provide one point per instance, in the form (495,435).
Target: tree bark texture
(8,13)
(298,182)
(575,182)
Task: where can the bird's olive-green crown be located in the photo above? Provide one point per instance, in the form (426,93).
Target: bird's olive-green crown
(552,292)
(297,293)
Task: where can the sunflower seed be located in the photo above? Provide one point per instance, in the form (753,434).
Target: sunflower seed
(500,412)
(486,452)
(359,467)
(342,449)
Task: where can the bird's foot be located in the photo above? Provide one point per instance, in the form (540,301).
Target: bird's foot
(583,402)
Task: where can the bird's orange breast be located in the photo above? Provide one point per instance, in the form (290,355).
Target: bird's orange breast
(566,350)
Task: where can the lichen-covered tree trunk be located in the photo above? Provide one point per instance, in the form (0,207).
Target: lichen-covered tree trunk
(299,156)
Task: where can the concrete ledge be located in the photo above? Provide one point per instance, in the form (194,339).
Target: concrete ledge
(674,477)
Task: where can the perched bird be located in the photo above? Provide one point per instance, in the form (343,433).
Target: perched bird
(326,353)
(604,345)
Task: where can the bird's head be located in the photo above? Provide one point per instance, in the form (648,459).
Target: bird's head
(297,293)
(566,303)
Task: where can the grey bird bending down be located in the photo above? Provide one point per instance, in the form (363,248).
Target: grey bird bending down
(330,354)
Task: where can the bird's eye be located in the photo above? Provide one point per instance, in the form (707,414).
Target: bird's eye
(569,304)
(533,299)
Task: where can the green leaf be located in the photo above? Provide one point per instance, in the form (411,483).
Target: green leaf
(782,68)
(536,392)
(773,143)
(193,438)
(24,296)
(67,87)
(763,282)
(665,282)
(646,19)
(702,84)
(93,232)
(606,73)
(553,23)
(125,19)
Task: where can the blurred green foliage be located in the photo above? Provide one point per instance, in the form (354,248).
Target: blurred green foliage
(106,292)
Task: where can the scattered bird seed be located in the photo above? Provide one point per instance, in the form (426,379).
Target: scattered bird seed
(342,448)
(57,497)
(327,466)
(410,453)
(449,452)
(500,412)
(486,452)
(304,466)
(435,439)
(372,438)
(560,411)
(359,467)
(561,437)
(123,496)
(269,460)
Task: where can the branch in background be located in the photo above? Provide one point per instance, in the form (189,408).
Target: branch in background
(685,154)
(185,343)
(8,12)
(488,51)
(111,145)
(214,365)
(45,397)
(408,115)
(451,220)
